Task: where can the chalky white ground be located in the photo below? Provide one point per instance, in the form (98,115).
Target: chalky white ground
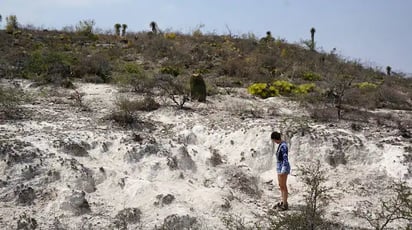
(226,124)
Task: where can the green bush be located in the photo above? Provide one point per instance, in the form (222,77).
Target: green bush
(310,76)
(198,88)
(136,78)
(263,90)
(172,70)
(98,64)
(285,88)
(304,89)
(132,68)
(366,86)
(48,63)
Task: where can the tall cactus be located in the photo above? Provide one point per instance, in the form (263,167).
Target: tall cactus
(312,36)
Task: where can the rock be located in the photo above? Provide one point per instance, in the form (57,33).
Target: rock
(127,216)
(405,133)
(136,154)
(25,195)
(75,149)
(334,158)
(188,138)
(172,163)
(76,203)
(26,222)
(16,152)
(80,177)
(184,160)
(242,181)
(216,159)
(180,222)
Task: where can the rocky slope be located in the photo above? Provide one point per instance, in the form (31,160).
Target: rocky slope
(65,167)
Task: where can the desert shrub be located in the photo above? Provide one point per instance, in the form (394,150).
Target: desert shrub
(157,47)
(280,87)
(48,63)
(397,207)
(172,70)
(98,64)
(132,68)
(135,77)
(262,90)
(323,114)
(366,85)
(303,89)
(311,76)
(392,97)
(171,36)
(85,28)
(147,104)
(237,222)
(237,67)
(126,111)
(363,98)
(10,99)
(197,88)
(284,87)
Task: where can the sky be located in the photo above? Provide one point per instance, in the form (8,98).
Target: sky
(377,33)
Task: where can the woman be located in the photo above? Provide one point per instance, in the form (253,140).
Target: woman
(282,168)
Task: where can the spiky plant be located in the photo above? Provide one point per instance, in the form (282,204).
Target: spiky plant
(117,28)
(124,27)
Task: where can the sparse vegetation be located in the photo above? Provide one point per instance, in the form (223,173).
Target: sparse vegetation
(11,24)
(10,100)
(398,207)
(80,52)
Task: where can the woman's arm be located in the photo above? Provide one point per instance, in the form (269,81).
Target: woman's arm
(285,162)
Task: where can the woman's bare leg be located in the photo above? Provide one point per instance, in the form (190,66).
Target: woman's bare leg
(282,179)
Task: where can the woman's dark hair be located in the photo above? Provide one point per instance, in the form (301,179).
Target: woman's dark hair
(275,136)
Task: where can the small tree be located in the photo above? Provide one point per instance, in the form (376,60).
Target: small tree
(174,88)
(11,24)
(117,27)
(343,83)
(124,27)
